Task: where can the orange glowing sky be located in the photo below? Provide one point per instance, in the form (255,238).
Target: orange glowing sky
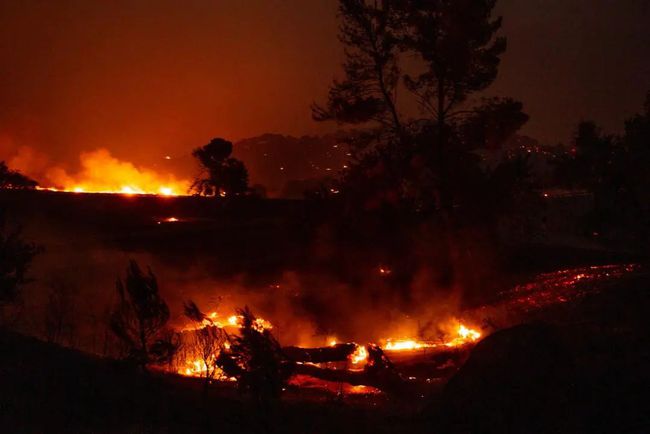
(150,78)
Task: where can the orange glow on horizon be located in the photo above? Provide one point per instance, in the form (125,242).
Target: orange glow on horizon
(103,173)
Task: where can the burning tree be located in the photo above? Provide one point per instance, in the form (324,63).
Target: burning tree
(221,175)
(139,320)
(208,340)
(256,360)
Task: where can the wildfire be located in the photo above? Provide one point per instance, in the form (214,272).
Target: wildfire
(191,366)
(405,345)
(198,368)
(359,356)
(462,335)
(194,368)
(212,319)
(459,335)
(465,335)
(102,173)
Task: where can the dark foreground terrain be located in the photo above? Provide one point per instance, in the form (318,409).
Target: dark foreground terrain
(584,371)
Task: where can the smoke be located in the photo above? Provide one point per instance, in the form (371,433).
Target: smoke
(306,308)
(99,171)
(229,259)
(29,161)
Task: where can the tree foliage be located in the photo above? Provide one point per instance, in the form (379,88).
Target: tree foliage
(255,358)
(16,255)
(11,179)
(637,149)
(458,43)
(368,91)
(417,180)
(140,318)
(614,169)
(425,163)
(221,174)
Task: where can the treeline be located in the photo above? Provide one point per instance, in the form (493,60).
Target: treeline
(614,169)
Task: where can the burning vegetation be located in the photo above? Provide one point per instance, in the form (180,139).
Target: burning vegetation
(380,282)
(211,346)
(212,342)
(101,172)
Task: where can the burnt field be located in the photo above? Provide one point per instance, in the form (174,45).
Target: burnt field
(561,346)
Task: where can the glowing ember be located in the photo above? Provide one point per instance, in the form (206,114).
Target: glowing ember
(563,285)
(384,271)
(307,382)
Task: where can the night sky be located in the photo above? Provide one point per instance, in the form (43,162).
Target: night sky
(146,79)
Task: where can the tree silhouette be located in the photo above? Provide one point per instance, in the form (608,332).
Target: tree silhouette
(420,162)
(16,256)
(11,179)
(421,172)
(614,169)
(491,123)
(139,320)
(368,92)
(255,358)
(457,42)
(637,146)
(221,174)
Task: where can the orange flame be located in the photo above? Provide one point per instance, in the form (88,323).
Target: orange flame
(212,319)
(461,335)
(360,355)
(102,173)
